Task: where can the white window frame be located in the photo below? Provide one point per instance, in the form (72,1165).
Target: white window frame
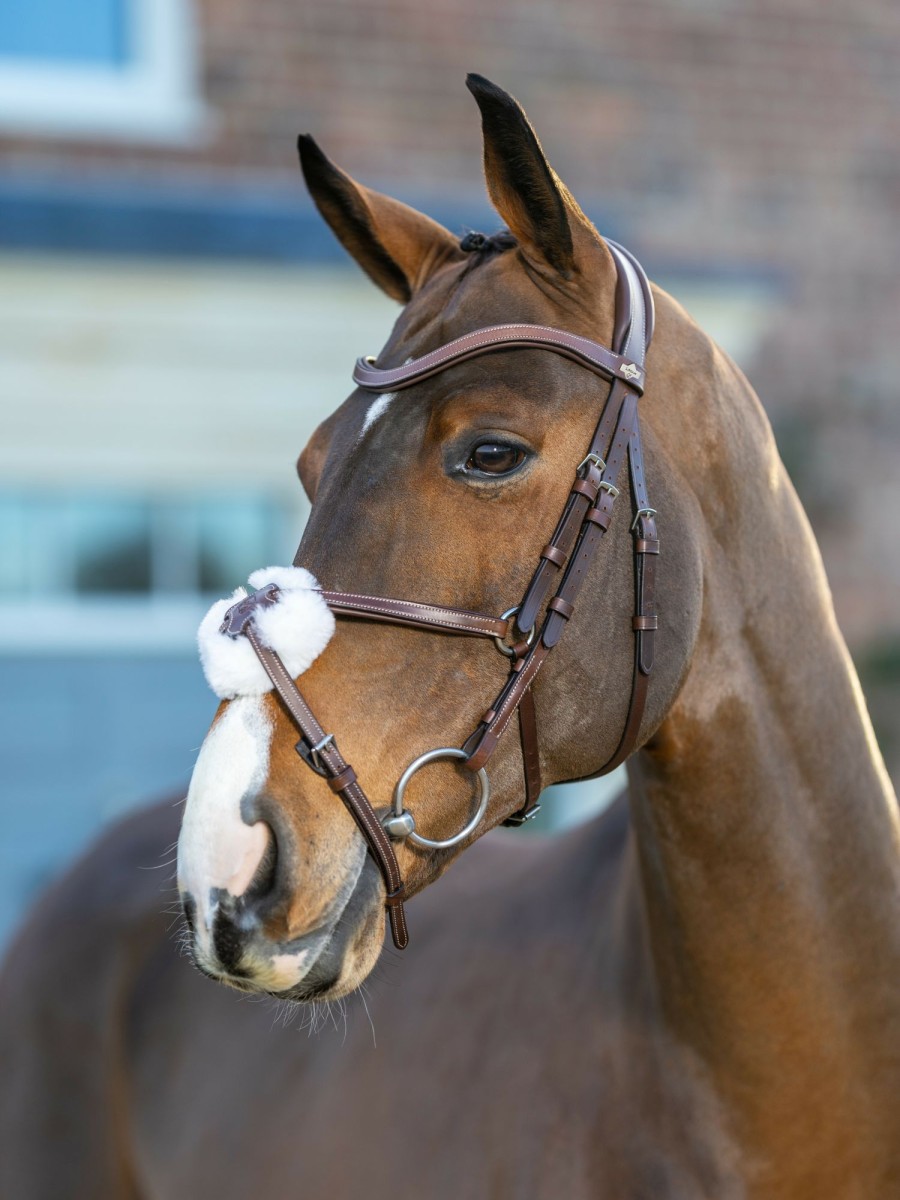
(152,98)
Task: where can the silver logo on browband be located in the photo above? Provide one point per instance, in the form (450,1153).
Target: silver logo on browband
(630,371)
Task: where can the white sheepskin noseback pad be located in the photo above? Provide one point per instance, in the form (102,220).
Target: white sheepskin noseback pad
(297,628)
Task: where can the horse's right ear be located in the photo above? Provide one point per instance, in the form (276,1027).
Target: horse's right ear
(395,245)
(525,190)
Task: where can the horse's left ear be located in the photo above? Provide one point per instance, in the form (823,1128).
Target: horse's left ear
(525,190)
(395,245)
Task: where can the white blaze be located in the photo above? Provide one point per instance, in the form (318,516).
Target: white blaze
(377,408)
(216,847)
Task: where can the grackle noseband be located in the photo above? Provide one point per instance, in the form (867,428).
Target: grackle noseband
(566,558)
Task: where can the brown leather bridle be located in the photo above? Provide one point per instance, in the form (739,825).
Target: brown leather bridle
(568,554)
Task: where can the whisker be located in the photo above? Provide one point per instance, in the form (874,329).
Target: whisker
(158,866)
(362,995)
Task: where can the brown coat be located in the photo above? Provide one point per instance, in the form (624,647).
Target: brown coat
(696,995)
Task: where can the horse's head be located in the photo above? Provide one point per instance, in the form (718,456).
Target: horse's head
(444,492)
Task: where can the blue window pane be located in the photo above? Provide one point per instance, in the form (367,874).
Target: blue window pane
(81,546)
(111,546)
(235,537)
(92,32)
(14,573)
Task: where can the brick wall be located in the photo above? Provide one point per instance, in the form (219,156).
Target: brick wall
(757,135)
(750,132)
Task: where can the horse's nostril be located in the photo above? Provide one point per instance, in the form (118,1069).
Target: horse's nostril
(263,882)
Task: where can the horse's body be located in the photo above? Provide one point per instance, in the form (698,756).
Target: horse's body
(501,1058)
(697,995)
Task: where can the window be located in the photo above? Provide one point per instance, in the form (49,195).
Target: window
(120,68)
(112,571)
(91,31)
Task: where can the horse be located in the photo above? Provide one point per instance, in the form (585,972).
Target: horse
(693,995)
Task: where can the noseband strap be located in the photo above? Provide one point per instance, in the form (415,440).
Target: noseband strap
(420,616)
(319,750)
(562,570)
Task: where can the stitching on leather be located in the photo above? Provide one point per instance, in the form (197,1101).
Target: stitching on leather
(500,722)
(335,761)
(505,333)
(462,616)
(607,359)
(633,287)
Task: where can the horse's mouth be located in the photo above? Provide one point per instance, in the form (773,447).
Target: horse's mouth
(323,964)
(324,989)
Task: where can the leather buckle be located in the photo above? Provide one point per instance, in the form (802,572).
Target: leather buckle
(592,458)
(311,755)
(522,818)
(642,512)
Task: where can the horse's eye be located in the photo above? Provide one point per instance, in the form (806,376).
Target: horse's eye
(495,458)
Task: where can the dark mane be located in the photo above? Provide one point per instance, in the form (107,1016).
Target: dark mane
(482,246)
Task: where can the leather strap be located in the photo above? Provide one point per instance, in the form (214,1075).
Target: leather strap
(625,259)
(645,621)
(411,612)
(481,744)
(531,761)
(644,624)
(498,337)
(592,532)
(633,329)
(577,505)
(484,741)
(343,780)
(565,559)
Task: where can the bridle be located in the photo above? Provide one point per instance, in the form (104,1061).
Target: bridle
(564,566)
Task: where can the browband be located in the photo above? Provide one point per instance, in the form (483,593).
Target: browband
(497,337)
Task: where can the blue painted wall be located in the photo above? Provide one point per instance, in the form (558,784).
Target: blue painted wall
(83,739)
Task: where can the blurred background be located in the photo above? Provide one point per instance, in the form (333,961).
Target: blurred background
(175,319)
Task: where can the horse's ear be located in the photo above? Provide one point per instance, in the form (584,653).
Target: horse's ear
(524,188)
(394,244)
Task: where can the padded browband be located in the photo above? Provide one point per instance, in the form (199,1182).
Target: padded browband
(498,337)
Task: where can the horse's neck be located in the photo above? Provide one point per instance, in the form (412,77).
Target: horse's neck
(768,840)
